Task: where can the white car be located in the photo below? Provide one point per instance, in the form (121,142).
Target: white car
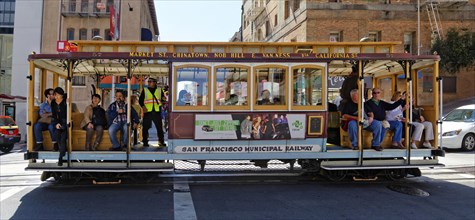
(458,128)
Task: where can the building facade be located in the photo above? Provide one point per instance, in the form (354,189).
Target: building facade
(40,24)
(364,20)
(7,18)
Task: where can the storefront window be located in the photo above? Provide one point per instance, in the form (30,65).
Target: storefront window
(231,86)
(270,83)
(192,86)
(307,86)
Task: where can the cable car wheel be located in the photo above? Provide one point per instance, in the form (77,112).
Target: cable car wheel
(336,175)
(395,174)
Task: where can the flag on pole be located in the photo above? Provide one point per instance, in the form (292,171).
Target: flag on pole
(114,20)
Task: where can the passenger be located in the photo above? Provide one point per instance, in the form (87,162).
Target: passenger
(94,120)
(376,110)
(337,100)
(397,114)
(181,98)
(59,110)
(165,109)
(135,104)
(151,100)
(349,112)
(233,100)
(350,83)
(246,128)
(44,122)
(265,98)
(117,113)
(420,124)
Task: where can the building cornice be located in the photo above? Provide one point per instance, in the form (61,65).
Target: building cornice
(151,6)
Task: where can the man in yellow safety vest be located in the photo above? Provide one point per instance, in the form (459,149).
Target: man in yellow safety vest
(151,100)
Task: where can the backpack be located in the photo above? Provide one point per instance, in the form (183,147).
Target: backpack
(99,116)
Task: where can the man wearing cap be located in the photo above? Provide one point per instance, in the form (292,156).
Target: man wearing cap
(151,100)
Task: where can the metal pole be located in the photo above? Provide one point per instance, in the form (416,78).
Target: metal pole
(360,112)
(129,110)
(418,27)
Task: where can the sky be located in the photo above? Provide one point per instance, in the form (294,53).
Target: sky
(198,20)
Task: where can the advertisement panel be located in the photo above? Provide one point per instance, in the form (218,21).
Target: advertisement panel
(255,126)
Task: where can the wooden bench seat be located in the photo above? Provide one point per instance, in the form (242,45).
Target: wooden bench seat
(79,135)
(367,139)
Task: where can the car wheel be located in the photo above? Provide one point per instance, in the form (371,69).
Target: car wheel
(5,148)
(468,142)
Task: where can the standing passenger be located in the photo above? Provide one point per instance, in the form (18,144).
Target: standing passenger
(138,109)
(59,110)
(44,122)
(94,120)
(151,100)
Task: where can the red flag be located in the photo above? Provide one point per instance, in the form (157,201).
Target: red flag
(112,21)
(115,20)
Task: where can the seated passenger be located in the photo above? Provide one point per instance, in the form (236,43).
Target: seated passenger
(376,110)
(182,98)
(265,98)
(420,124)
(44,122)
(233,100)
(94,120)
(397,114)
(349,112)
(117,113)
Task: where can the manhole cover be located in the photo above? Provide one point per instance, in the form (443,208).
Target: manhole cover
(409,190)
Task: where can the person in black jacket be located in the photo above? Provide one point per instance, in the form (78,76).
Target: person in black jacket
(117,120)
(59,110)
(376,110)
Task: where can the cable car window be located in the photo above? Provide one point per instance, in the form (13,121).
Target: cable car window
(425,87)
(231,86)
(385,85)
(270,86)
(307,86)
(192,86)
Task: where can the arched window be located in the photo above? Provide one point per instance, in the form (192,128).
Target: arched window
(107,35)
(70,34)
(232,87)
(307,87)
(83,34)
(270,87)
(96,32)
(191,88)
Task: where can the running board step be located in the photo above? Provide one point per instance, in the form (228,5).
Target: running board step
(378,164)
(102,167)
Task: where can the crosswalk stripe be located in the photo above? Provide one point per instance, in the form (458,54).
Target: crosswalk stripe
(9,193)
(183,203)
